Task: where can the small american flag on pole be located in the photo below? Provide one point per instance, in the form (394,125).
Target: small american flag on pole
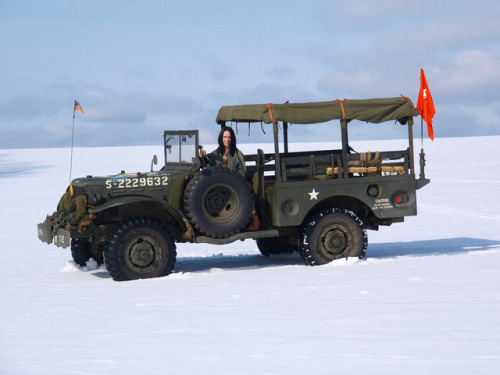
(78,107)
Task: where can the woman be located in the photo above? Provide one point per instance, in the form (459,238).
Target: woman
(227,154)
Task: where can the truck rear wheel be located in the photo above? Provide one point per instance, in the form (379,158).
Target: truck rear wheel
(139,249)
(333,234)
(218,202)
(274,245)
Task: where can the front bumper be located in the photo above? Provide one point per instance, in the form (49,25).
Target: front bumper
(47,234)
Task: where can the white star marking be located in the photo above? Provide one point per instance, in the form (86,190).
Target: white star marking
(314,194)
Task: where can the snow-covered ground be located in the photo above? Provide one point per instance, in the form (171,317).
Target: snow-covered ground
(426,300)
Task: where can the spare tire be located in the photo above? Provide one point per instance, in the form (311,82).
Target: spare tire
(218,202)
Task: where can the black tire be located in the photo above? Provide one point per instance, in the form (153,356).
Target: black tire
(96,253)
(80,251)
(218,202)
(333,234)
(139,249)
(274,245)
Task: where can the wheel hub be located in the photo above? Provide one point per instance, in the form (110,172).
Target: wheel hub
(221,203)
(215,202)
(334,242)
(142,253)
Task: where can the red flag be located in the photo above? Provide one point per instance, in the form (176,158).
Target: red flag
(425,105)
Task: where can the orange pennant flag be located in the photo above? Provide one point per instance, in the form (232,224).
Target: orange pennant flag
(425,105)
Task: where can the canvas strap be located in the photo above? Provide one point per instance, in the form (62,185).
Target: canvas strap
(341,102)
(270,107)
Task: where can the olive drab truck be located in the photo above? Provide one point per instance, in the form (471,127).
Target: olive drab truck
(318,203)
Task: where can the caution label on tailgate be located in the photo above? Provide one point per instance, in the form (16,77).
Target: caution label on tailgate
(382,204)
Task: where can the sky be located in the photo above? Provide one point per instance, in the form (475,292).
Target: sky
(138,68)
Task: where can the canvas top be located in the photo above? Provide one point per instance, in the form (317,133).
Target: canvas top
(369,110)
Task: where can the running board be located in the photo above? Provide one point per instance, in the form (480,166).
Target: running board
(238,236)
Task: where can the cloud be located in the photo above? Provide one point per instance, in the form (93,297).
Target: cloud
(134,107)
(472,73)
(175,67)
(110,117)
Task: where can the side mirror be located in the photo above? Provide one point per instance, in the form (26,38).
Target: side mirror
(154,161)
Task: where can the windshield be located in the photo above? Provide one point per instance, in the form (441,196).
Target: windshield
(180,147)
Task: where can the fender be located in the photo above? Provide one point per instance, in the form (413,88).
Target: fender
(120,201)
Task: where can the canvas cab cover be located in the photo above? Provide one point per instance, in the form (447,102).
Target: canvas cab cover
(369,110)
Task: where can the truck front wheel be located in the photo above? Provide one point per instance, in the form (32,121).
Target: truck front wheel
(139,249)
(82,250)
(333,234)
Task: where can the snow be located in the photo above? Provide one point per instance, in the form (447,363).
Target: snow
(426,299)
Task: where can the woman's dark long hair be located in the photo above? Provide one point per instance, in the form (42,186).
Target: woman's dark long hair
(232,146)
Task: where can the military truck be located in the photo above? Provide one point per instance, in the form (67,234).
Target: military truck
(317,202)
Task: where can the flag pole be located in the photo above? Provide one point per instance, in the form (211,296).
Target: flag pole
(422,153)
(69,192)
(421,132)
(76,107)
(72,140)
